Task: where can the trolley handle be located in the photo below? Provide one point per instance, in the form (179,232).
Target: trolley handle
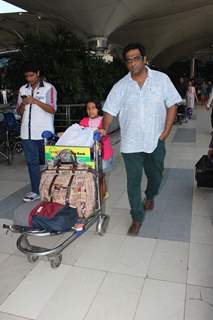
(11,228)
(6,226)
(97,136)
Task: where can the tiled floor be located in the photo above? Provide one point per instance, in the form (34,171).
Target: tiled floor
(165,273)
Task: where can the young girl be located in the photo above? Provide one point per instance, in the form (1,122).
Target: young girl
(94,120)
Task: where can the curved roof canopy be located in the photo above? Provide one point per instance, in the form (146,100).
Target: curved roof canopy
(169,29)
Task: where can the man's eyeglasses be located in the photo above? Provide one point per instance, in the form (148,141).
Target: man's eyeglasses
(134,59)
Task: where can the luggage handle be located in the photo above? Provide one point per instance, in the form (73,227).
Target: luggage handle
(73,158)
(69,190)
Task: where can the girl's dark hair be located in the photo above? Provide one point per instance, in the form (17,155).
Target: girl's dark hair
(133,46)
(96,102)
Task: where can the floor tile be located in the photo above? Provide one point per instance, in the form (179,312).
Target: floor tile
(8,243)
(202,229)
(119,254)
(134,256)
(122,202)
(39,285)
(4,316)
(119,223)
(185,135)
(78,290)
(202,202)
(12,201)
(171,217)
(199,303)
(161,300)
(176,229)
(101,252)
(73,252)
(169,261)
(3,257)
(11,187)
(116,299)
(12,271)
(200,265)
(114,211)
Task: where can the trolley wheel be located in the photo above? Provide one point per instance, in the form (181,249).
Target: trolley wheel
(102,225)
(18,147)
(56,261)
(32,259)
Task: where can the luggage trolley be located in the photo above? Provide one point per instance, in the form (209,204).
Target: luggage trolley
(54,255)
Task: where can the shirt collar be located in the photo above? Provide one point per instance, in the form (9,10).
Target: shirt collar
(40,84)
(149,75)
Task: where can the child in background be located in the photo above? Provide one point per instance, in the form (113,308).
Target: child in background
(94,120)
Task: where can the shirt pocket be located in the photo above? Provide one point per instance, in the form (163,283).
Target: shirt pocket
(40,98)
(154,98)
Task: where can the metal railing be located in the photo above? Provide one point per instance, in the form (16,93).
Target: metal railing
(68,114)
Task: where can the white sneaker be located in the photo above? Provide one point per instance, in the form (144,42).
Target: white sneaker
(31,196)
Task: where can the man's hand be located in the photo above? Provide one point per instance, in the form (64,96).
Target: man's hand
(207,107)
(28,100)
(163,136)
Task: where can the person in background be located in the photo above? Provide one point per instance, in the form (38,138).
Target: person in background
(145,101)
(36,105)
(4,95)
(94,120)
(209,105)
(191,96)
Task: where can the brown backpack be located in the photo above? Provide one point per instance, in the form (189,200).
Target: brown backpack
(70,184)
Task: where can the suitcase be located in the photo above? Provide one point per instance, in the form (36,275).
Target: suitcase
(204,172)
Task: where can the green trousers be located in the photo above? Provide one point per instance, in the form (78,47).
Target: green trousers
(153,165)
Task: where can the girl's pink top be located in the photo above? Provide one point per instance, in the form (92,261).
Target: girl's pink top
(106,144)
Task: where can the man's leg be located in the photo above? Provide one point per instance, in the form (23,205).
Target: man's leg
(31,152)
(153,167)
(134,168)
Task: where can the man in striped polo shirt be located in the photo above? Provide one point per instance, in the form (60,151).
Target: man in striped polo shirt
(37,105)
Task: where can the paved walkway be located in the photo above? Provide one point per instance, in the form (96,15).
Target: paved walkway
(165,273)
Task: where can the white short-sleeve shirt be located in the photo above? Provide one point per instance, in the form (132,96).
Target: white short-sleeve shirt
(36,120)
(141,110)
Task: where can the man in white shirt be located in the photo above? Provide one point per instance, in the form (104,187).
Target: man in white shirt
(145,101)
(37,105)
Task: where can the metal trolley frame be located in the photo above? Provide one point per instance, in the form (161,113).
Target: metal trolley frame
(54,255)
